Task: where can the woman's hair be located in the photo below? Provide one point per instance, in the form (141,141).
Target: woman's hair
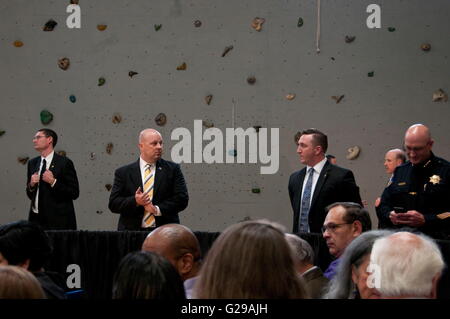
(341,286)
(146,275)
(18,283)
(250,260)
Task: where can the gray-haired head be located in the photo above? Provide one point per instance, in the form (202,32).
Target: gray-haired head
(302,251)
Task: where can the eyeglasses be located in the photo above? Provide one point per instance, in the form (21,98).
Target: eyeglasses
(332,227)
(38,137)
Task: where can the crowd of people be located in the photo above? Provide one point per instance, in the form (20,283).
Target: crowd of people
(255,259)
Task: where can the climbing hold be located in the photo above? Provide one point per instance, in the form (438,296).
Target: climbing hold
(391,29)
(197,23)
(101,27)
(157,27)
(208,124)
(337,98)
(300,22)
(18,44)
(257,127)
(73,1)
(232,153)
(371,74)
(23,160)
(117,118)
(92,156)
(349,38)
(353,152)
(257,23)
(256,190)
(109,148)
(72,98)
(226,50)
(46,117)
(64,63)
(108,187)
(440,95)
(161,119)
(50,25)
(2,133)
(61,153)
(251,80)
(182,67)
(208,99)
(290,96)
(99,212)
(132,73)
(101,81)
(425,47)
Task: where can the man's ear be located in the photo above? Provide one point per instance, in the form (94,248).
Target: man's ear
(25,264)
(435,280)
(185,264)
(357,228)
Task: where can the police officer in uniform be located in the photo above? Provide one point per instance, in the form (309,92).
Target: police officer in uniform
(419,194)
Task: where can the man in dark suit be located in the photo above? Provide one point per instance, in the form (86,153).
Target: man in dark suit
(52,185)
(151,191)
(319,184)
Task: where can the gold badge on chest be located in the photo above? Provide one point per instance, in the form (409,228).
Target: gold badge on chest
(435,179)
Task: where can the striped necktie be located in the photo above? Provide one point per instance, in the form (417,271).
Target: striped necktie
(306,201)
(149,179)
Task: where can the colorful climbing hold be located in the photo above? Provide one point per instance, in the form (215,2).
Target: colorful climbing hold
(300,22)
(64,63)
(101,27)
(158,27)
(50,25)
(18,44)
(161,119)
(132,73)
(101,81)
(46,117)
(72,98)
(182,67)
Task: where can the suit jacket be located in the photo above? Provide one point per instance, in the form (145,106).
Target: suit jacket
(56,210)
(335,184)
(315,282)
(170,194)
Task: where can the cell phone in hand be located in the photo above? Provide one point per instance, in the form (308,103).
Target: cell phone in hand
(400,210)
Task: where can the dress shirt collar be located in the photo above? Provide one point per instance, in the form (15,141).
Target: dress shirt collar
(143,163)
(48,158)
(318,167)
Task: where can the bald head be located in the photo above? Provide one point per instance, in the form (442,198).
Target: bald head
(394,158)
(150,145)
(179,245)
(418,143)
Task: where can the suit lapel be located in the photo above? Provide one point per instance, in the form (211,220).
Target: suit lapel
(322,178)
(136,177)
(298,197)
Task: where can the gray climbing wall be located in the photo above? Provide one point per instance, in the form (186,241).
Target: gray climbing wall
(373,114)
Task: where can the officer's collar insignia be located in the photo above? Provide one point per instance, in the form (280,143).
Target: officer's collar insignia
(435,179)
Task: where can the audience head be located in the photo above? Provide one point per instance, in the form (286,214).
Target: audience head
(418,143)
(303,253)
(24,244)
(344,222)
(394,158)
(351,277)
(146,275)
(312,146)
(150,145)
(179,245)
(18,283)
(409,265)
(250,260)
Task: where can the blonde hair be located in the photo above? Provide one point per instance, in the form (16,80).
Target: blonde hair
(18,283)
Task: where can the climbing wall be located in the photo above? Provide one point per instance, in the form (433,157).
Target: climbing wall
(134,64)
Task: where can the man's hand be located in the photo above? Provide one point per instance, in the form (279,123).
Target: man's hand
(48,177)
(151,208)
(142,199)
(34,179)
(411,218)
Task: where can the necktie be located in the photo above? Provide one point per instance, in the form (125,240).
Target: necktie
(149,178)
(306,200)
(41,183)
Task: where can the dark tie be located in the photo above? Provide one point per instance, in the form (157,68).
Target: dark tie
(306,200)
(43,169)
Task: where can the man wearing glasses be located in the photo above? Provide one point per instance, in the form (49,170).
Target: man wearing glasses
(419,194)
(52,185)
(344,222)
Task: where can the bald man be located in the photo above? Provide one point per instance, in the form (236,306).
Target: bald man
(180,246)
(151,191)
(419,193)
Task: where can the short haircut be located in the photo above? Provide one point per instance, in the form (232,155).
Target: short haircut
(329,156)
(407,264)
(319,138)
(401,156)
(18,283)
(302,250)
(50,133)
(354,212)
(147,275)
(24,240)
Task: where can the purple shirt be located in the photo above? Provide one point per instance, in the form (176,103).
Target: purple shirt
(332,269)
